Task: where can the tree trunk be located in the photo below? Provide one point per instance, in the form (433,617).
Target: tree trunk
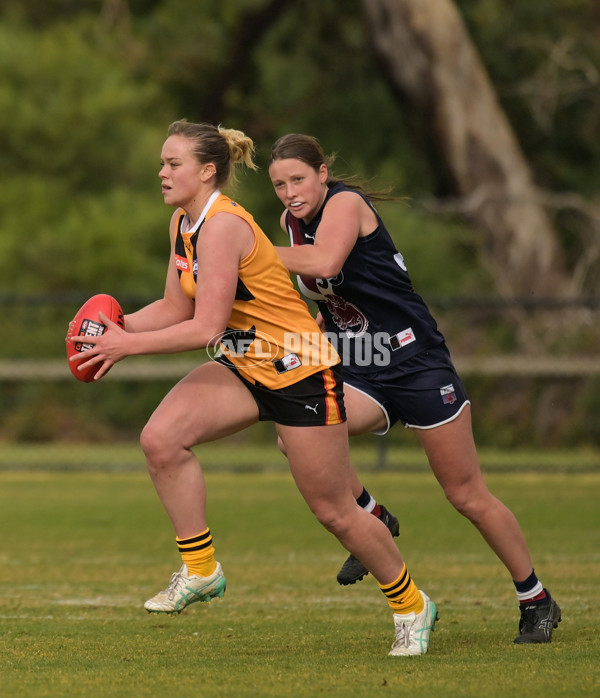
(430,59)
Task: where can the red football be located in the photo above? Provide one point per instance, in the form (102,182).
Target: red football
(87,322)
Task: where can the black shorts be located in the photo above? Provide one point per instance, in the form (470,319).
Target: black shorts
(315,401)
(423,392)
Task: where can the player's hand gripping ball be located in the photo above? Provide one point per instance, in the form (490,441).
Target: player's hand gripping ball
(87,322)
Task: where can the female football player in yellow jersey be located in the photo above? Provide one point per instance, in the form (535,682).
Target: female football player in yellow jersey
(226,288)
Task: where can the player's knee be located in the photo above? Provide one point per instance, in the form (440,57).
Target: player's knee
(331,519)
(467,502)
(154,445)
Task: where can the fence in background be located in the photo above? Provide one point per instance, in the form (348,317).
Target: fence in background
(135,369)
(32,329)
(27,364)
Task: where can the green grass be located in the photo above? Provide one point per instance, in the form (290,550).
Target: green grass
(238,455)
(81,551)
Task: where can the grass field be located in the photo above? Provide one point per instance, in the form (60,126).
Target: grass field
(82,549)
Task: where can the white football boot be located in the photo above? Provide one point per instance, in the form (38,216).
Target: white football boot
(412,630)
(183,591)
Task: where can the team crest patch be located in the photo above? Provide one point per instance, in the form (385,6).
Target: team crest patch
(448,394)
(346,316)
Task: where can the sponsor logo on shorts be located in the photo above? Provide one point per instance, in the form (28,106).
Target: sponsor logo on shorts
(448,394)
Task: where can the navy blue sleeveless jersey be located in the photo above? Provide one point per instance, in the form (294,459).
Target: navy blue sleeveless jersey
(370,307)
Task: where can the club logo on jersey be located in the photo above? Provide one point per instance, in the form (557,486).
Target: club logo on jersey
(346,316)
(448,394)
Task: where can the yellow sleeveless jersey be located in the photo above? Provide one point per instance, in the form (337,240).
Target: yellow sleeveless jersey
(271,337)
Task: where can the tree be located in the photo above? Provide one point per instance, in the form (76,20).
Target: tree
(429,58)
(82,205)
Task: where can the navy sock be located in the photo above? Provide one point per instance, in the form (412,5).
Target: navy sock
(368,503)
(364,499)
(530,591)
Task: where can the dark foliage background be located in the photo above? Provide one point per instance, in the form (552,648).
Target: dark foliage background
(88,88)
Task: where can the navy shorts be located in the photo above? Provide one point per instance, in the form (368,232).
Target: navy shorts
(315,401)
(423,392)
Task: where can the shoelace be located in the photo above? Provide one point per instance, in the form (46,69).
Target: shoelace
(170,590)
(403,636)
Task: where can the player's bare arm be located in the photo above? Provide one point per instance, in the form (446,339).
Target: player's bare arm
(223,241)
(336,236)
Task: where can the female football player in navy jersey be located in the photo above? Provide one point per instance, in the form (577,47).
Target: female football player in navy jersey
(226,287)
(396,365)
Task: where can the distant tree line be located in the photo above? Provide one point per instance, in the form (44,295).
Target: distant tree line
(484,115)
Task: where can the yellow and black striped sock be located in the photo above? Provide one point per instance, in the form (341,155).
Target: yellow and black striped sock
(403,595)
(198,554)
